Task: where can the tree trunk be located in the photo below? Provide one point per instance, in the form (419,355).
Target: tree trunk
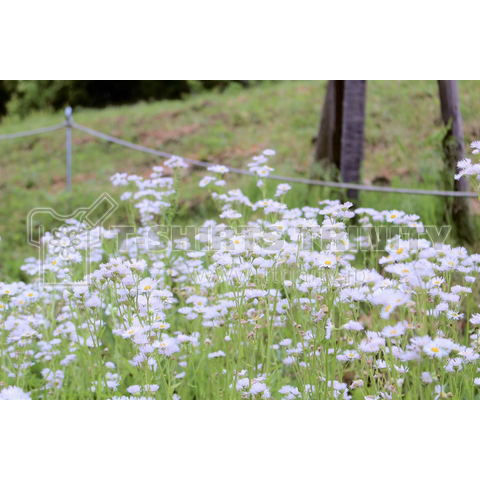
(353,132)
(454,150)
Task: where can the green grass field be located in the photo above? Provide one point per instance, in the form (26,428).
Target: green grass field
(403,148)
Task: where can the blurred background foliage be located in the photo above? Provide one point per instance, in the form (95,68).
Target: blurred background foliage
(21,97)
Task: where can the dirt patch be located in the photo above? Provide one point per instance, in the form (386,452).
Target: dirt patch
(119,121)
(158,118)
(84,177)
(161,136)
(220,118)
(113,126)
(82,140)
(57,184)
(385,175)
(474,132)
(173,114)
(237,152)
(199,107)
(475,206)
(305,89)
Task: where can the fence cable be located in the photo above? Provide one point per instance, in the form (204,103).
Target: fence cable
(29,133)
(306,181)
(199,163)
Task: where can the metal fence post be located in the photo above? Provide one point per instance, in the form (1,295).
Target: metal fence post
(68,115)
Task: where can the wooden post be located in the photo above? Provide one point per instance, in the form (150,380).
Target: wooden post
(322,142)
(336,123)
(328,144)
(339,146)
(454,150)
(353,133)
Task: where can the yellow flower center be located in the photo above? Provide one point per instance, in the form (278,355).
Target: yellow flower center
(148,287)
(328,262)
(400,250)
(435,349)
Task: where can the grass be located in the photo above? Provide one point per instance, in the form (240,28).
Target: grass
(403,135)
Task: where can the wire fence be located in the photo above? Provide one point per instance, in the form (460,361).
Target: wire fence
(69,124)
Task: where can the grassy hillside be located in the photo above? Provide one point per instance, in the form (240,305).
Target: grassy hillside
(402,148)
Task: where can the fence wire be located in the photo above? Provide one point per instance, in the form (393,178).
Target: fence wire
(29,133)
(306,181)
(198,163)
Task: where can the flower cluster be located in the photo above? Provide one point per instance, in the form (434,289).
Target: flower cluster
(469,170)
(263,302)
